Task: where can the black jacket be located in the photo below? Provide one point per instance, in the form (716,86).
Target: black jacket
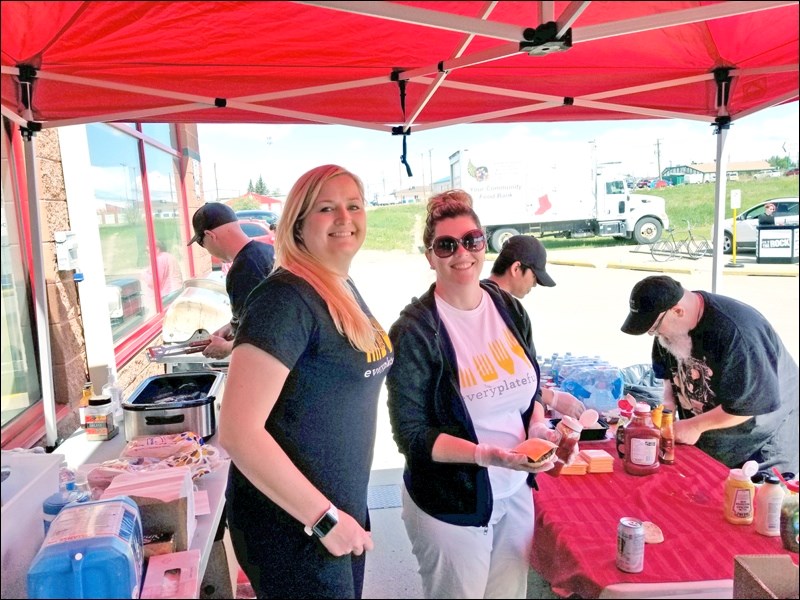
(425,401)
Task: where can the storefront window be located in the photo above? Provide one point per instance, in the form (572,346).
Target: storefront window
(163,174)
(119,203)
(19,379)
(161,132)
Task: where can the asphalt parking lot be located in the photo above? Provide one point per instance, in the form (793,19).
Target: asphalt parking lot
(583,313)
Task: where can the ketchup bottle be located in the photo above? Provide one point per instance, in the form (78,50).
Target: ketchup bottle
(642,442)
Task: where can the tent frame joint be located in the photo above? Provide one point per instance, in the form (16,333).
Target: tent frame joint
(722,77)
(220,102)
(544,40)
(31,129)
(720,123)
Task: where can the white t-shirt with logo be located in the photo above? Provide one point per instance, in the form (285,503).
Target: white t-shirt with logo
(496,378)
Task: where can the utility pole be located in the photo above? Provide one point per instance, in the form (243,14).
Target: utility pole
(430,167)
(658,156)
(422,160)
(216,183)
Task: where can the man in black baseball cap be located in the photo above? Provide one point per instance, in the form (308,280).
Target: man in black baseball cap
(217,230)
(649,298)
(208,217)
(732,382)
(520,266)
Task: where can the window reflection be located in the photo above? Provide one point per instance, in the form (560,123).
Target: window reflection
(163,175)
(119,201)
(19,379)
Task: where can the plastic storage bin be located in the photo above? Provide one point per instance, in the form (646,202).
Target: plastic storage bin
(93,550)
(31,479)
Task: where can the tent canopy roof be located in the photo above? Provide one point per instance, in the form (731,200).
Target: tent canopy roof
(395,64)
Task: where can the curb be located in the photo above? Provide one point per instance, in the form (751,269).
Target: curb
(745,271)
(572,263)
(653,268)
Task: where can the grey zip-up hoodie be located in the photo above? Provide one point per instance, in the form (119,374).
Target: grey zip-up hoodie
(425,401)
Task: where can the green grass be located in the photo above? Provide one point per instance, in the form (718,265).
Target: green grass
(695,202)
(393,227)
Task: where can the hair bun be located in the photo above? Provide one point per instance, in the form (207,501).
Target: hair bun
(450,198)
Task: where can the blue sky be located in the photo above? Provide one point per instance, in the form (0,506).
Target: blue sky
(234,154)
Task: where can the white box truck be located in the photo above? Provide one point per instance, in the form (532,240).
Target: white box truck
(553,197)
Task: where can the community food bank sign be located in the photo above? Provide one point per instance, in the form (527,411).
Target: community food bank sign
(778,244)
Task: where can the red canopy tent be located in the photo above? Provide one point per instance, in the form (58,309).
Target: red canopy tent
(398,67)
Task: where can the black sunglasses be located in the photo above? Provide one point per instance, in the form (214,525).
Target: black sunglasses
(200,239)
(445,246)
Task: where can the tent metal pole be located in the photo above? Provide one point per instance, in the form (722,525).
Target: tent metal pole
(719,209)
(40,297)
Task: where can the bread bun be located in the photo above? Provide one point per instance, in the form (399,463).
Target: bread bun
(537,450)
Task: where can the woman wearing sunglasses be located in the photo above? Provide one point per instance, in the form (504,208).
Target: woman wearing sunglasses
(463,392)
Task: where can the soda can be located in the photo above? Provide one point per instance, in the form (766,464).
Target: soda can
(630,545)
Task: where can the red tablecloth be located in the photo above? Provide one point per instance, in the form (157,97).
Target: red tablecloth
(575,539)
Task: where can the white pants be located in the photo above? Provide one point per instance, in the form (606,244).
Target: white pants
(474,562)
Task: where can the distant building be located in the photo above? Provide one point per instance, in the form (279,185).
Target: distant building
(264,202)
(707,172)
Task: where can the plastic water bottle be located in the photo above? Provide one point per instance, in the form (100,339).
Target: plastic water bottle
(66,478)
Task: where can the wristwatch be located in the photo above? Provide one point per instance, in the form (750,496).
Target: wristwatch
(325,523)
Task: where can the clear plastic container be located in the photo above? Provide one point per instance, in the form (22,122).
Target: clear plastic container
(789,517)
(100,424)
(569,431)
(113,391)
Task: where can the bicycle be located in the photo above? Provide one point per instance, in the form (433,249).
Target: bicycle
(694,247)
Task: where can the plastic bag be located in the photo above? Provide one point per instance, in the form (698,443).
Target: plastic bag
(150,453)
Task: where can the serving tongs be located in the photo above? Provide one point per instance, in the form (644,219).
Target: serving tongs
(158,353)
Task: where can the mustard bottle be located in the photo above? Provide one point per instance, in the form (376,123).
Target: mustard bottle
(739,493)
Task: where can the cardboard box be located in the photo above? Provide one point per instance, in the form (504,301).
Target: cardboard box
(165,499)
(764,576)
(173,576)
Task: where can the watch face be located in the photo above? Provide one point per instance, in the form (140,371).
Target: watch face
(325,524)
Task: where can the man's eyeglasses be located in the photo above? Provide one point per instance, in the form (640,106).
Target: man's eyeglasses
(445,246)
(201,239)
(654,329)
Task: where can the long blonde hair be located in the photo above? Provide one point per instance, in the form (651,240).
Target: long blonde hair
(291,254)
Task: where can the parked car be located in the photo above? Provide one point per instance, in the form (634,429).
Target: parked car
(262,215)
(253,228)
(791,172)
(747,222)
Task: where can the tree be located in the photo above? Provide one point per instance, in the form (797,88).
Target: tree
(781,163)
(260,188)
(250,187)
(245,203)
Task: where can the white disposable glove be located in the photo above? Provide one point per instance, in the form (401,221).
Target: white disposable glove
(566,404)
(539,429)
(494,456)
